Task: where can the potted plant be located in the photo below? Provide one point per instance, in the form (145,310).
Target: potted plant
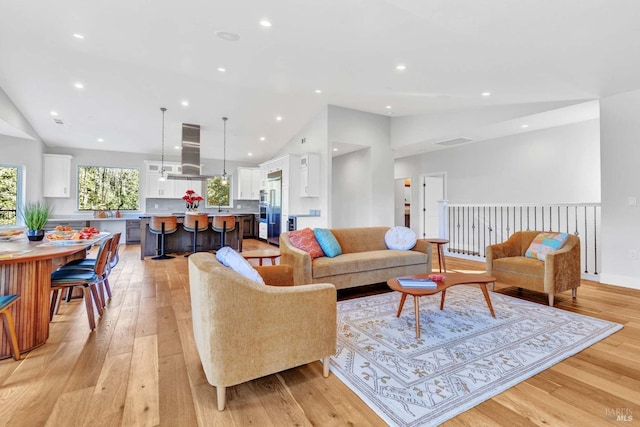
(35,216)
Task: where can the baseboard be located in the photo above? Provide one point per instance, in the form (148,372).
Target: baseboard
(623,281)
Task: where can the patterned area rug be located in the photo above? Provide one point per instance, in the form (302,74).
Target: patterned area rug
(463,356)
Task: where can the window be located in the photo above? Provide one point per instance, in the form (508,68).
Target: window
(218,194)
(108,188)
(8,194)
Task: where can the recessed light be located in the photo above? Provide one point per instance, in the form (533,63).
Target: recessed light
(279,118)
(525,126)
(185,103)
(100,140)
(388,107)
(335,149)
(54,113)
(262,138)
(318,91)
(78,36)
(486,93)
(222,69)
(177,147)
(227,36)
(401,67)
(79,85)
(250,154)
(265,23)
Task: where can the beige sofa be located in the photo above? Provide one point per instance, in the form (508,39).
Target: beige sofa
(244,330)
(559,272)
(365,259)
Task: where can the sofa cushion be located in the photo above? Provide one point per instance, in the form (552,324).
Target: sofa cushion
(365,261)
(360,239)
(306,241)
(400,238)
(327,242)
(544,243)
(232,259)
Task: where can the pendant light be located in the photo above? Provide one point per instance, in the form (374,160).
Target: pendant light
(162,177)
(225,181)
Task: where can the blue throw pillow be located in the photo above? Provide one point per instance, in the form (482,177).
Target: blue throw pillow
(328,242)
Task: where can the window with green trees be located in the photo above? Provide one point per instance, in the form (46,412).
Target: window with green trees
(8,194)
(219,194)
(108,188)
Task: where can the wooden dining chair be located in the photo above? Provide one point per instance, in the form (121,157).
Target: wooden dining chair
(195,224)
(163,225)
(89,280)
(6,301)
(223,224)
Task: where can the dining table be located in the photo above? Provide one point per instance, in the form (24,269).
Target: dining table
(25,270)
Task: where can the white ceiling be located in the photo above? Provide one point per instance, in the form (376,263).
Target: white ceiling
(138,56)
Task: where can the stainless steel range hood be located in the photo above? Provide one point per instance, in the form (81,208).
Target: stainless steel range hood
(190,155)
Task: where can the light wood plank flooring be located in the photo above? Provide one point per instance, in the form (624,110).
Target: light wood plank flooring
(140,367)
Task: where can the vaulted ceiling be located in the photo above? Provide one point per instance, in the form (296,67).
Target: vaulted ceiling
(137,56)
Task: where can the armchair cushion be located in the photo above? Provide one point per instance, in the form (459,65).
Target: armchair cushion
(232,259)
(545,243)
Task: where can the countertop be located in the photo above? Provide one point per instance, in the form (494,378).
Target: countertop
(137,216)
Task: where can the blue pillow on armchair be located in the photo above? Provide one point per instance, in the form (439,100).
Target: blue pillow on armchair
(328,242)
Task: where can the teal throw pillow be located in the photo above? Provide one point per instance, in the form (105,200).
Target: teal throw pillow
(328,242)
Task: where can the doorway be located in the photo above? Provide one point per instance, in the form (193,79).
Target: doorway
(402,202)
(433,187)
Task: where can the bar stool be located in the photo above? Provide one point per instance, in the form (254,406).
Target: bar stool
(163,225)
(6,301)
(195,224)
(223,224)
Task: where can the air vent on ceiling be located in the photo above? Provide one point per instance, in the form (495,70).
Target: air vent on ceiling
(58,121)
(454,141)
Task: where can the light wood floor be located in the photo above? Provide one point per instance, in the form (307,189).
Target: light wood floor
(140,367)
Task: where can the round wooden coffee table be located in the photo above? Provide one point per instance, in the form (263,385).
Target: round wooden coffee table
(260,254)
(451,279)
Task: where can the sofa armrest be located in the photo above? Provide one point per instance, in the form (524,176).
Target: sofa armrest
(298,259)
(276,275)
(509,248)
(562,267)
(424,247)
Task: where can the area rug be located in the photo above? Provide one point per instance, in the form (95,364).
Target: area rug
(463,356)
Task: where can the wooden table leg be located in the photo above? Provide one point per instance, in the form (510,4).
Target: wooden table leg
(441,256)
(260,261)
(404,297)
(416,307)
(444,291)
(483,286)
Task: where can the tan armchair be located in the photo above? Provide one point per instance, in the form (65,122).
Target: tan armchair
(560,272)
(244,330)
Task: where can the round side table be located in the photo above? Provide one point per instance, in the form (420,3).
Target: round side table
(440,244)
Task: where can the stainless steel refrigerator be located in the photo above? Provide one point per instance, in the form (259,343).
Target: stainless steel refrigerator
(274,207)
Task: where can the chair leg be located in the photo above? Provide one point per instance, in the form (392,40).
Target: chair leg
(54,303)
(550,300)
(96,298)
(325,367)
(89,307)
(10,329)
(162,255)
(107,287)
(574,292)
(221,393)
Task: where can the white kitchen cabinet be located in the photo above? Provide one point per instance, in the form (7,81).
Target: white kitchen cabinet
(57,175)
(167,189)
(249,183)
(310,175)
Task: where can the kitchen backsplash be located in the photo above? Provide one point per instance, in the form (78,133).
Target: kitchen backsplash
(178,206)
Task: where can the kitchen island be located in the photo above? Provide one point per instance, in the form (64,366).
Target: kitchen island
(182,241)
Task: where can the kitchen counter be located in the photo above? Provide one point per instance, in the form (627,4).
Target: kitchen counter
(182,241)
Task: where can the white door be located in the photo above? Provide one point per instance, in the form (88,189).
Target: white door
(433,187)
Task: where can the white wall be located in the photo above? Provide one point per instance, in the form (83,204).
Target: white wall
(620,158)
(315,141)
(373,172)
(555,165)
(28,154)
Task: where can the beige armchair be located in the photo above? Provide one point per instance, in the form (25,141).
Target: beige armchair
(560,272)
(244,330)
